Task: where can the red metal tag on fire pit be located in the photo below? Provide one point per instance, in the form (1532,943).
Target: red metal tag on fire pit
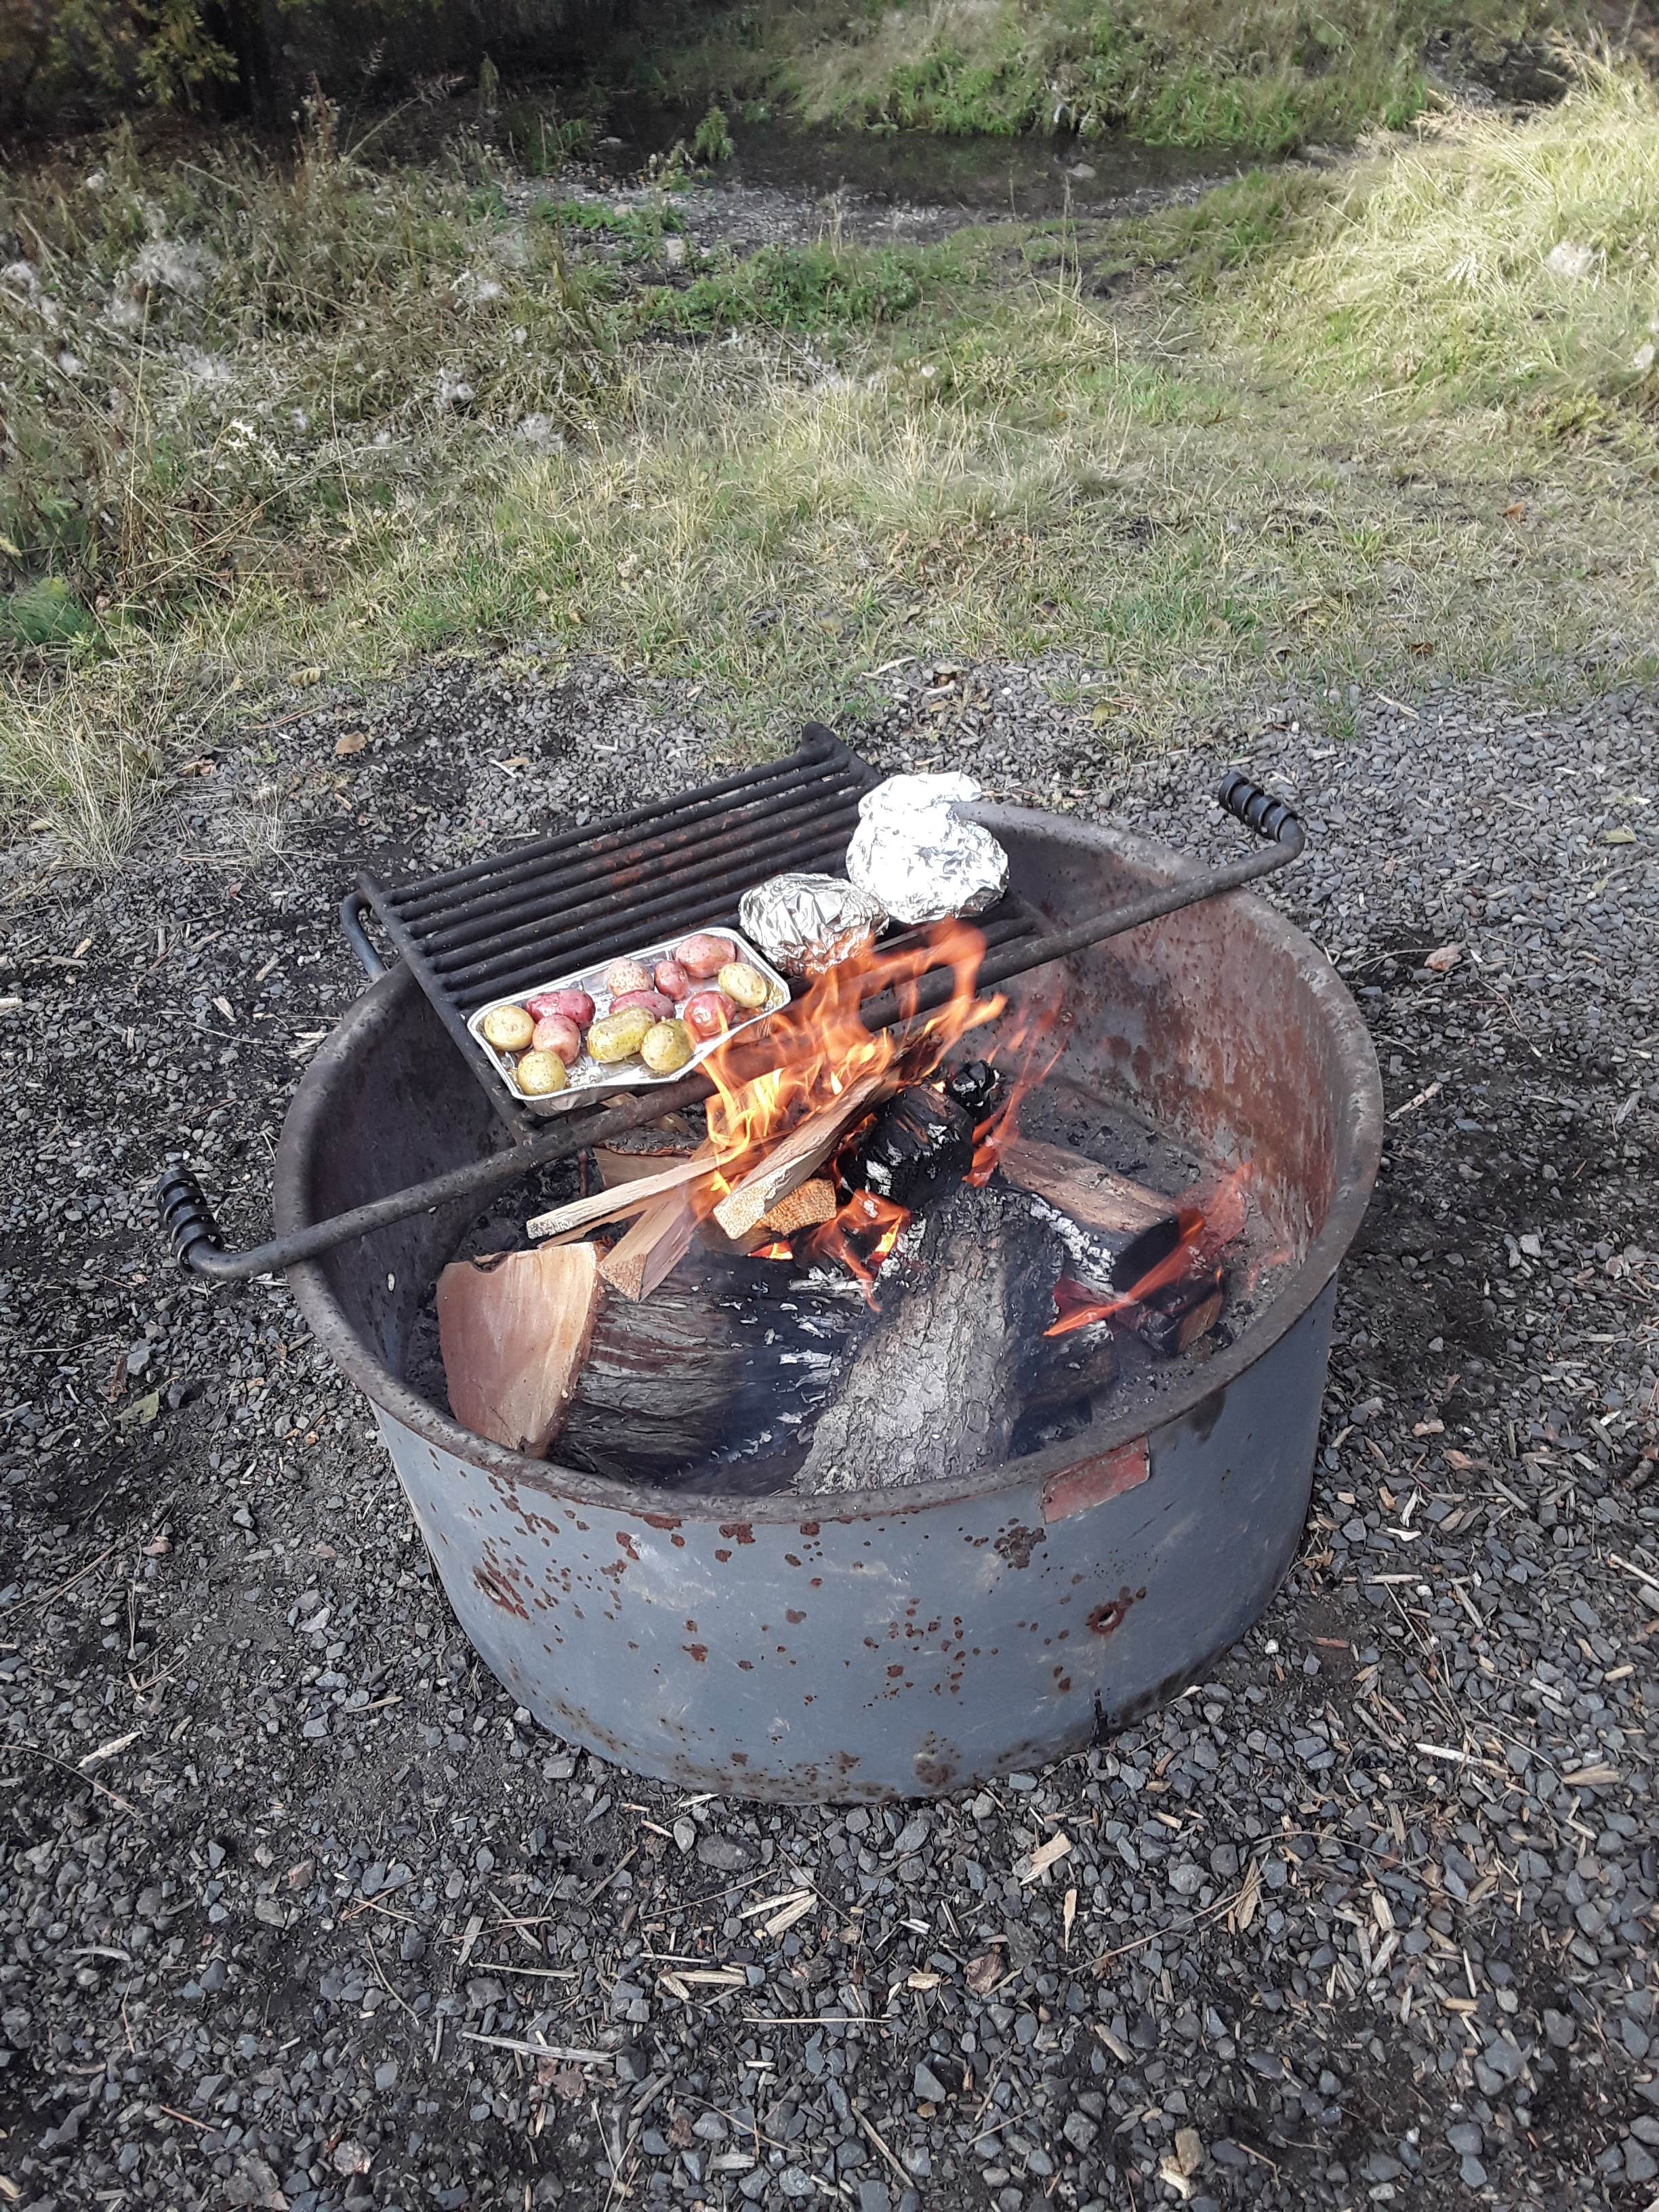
(1092,1481)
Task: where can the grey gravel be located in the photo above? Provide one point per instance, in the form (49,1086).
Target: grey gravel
(1364,1920)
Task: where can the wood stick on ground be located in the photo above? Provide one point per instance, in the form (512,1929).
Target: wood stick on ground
(614,1205)
(794,1159)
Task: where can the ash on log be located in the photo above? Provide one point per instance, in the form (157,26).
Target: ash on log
(941,1379)
(923,1138)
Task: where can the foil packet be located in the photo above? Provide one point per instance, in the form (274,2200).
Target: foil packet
(913,852)
(805,923)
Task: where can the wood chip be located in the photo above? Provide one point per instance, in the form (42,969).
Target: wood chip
(1038,1863)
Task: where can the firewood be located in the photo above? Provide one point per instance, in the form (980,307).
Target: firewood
(514,1331)
(1079,1364)
(795,1159)
(641,1153)
(1173,1318)
(804,1208)
(565,1221)
(659,1240)
(940,1382)
(1124,1230)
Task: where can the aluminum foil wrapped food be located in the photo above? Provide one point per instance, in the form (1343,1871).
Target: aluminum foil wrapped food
(805,923)
(915,854)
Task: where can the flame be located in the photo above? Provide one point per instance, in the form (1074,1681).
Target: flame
(1030,1049)
(778,1251)
(819,1047)
(1211,1216)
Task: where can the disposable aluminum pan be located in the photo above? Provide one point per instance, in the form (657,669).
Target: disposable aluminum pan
(592,1079)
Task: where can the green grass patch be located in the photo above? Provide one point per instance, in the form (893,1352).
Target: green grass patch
(1264,76)
(1323,435)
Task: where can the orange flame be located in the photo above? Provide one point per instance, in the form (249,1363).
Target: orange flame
(865,1215)
(818,1047)
(1211,1216)
(777,1251)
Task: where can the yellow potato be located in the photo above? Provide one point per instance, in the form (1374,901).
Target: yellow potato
(746,985)
(667,1046)
(540,1073)
(509,1029)
(619,1036)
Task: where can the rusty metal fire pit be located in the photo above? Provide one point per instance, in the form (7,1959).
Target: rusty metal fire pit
(913,1642)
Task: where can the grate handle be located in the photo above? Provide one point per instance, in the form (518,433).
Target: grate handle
(186,1219)
(353,907)
(1258,809)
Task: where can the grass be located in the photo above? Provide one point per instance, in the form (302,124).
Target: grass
(1264,76)
(1314,435)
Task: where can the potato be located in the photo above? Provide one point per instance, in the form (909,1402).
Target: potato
(539,1074)
(626,976)
(667,1046)
(619,1036)
(509,1029)
(744,984)
(672,980)
(707,1014)
(578,1005)
(558,1033)
(703,955)
(657,1004)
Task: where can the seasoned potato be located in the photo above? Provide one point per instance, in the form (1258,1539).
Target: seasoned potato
(619,1036)
(702,955)
(509,1029)
(746,986)
(539,1074)
(667,1046)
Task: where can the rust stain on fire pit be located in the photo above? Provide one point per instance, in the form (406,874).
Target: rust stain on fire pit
(1107,1618)
(498,1588)
(1016,1543)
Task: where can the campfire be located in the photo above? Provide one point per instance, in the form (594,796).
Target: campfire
(871,1251)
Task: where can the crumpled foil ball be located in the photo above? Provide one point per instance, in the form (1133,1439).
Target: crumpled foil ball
(805,923)
(912,852)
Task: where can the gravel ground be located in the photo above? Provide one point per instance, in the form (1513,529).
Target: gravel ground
(1363,1920)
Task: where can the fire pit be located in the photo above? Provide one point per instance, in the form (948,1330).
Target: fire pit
(879,1642)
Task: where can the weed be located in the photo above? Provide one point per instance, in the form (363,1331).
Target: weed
(799,288)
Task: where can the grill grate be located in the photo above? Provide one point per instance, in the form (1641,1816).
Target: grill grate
(497,926)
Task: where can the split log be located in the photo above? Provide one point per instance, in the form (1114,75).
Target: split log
(640,1152)
(514,1331)
(939,1381)
(795,1159)
(1080,1364)
(615,1204)
(1116,1230)
(659,1240)
(541,1354)
(1171,1320)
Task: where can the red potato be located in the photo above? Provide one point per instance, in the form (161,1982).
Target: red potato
(625,975)
(558,1033)
(577,1005)
(657,1004)
(703,955)
(707,1014)
(673,981)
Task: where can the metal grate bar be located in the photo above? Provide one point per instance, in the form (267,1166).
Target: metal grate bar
(820,750)
(571,896)
(693,894)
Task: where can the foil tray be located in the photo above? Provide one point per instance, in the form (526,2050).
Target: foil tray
(590,1080)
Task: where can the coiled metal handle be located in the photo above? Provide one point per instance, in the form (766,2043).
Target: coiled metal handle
(185,1216)
(1258,809)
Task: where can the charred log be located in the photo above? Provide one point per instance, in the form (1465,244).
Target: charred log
(941,1380)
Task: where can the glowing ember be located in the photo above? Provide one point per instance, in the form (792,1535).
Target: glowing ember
(778,1251)
(1211,1219)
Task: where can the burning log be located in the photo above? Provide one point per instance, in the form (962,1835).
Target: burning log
(923,1139)
(1171,1319)
(797,1158)
(941,1379)
(641,1152)
(542,1354)
(1073,1368)
(1123,1229)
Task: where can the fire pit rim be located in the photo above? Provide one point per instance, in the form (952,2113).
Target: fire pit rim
(1359,1153)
